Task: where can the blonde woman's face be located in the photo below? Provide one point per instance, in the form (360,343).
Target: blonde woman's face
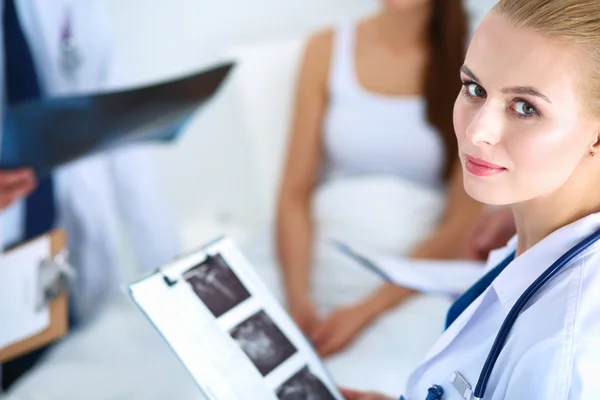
(520,120)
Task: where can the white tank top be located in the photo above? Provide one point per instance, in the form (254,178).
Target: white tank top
(369,133)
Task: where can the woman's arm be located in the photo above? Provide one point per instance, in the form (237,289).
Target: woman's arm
(446,242)
(294,219)
(461,213)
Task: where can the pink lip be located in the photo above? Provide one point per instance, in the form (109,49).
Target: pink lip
(479,167)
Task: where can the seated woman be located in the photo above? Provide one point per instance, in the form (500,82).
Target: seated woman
(528,128)
(374,97)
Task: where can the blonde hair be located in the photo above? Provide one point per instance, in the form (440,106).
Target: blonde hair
(574,22)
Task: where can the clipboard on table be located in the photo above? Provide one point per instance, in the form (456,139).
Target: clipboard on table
(52,294)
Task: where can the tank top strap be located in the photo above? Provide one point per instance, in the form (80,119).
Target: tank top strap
(341,74)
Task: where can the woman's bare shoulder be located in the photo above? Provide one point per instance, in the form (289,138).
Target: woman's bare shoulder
(317,52)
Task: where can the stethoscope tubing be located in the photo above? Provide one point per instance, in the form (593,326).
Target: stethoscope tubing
(511,318)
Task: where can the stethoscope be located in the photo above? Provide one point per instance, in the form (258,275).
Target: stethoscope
(436,392)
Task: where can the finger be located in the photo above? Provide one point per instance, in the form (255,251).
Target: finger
(312,324)
(8,197)
(329,347)
(12,177)
(302,327)
(6,201)
(483,235)
(495,227)
(319,342)
(322,337)
(320,330)
(301,321)
(477,229)
(9,184)
(471,251)
(350,394)
(306,327)
(335,343)
(477,253)
(23,190)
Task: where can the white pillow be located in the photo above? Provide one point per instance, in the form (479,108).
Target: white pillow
(265,83)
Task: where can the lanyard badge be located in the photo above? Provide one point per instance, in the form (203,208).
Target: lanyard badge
(461,385)
(70,57)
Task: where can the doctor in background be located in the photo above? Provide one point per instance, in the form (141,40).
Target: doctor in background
(59,47)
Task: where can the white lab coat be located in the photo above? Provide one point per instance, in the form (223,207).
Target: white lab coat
(553,350)
(94,192)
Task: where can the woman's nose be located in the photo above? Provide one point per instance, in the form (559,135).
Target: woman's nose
(485,128)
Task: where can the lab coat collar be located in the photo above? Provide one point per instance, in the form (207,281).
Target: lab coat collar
(497,256)
(526,268)
(520,273)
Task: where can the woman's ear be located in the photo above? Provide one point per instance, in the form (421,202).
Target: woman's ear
(595,146)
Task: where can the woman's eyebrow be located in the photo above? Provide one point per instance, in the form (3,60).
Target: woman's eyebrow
(465,70)
(528,90)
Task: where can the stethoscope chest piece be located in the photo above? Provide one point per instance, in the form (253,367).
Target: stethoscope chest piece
(435,392)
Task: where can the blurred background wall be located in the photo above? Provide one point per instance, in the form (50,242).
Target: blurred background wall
(208,171)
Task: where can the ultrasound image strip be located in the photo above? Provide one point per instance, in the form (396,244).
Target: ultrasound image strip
(304,385)
(263,342)
(216,285)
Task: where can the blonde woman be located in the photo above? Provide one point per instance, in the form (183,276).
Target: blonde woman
(528,127)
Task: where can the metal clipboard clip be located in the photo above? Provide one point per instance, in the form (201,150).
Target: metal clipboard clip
(55,276)
(182,267)
(171,279)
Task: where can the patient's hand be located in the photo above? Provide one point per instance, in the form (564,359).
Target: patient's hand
(350,394)
(494,230)
(340,329)
(344,325)
(304,314)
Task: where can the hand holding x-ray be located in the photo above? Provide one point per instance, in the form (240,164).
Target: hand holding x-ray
(15,184)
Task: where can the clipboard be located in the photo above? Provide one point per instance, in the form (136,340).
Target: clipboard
(58,309)
(217,315)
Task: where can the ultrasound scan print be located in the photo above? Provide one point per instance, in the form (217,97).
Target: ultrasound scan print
(304,386)
(263,342)
(216,285)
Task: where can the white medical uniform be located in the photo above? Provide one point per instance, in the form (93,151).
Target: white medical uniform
(553,351)
(93,192)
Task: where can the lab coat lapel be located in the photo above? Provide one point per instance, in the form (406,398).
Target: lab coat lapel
(454,330)
(495,257)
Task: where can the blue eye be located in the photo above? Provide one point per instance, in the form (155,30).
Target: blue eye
(524,108)
(475,90)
